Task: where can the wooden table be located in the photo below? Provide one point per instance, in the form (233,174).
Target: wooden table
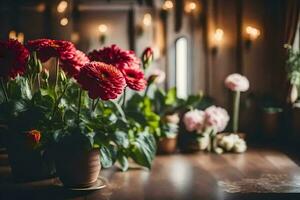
(257,174)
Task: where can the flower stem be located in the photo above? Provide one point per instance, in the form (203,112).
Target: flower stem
(236,106)
(56,74)
(95,103)
(4,90)
(124,98)
(79,105)
(146,91)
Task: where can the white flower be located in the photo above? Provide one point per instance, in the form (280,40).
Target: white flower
(204,142)
(240,146)
(237,82)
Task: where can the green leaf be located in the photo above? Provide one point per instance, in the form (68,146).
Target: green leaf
(171,97)
(19,89)
(144,149)
(105,157)
(123,161)
(121,139)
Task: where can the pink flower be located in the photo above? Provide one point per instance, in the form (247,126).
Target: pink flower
(237,82)
(217,118)
(194,120)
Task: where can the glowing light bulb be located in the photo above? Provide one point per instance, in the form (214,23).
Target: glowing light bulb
(190,7)
(12,35)
(147,20)
(168,5)
(62,6)
(75,37)
(252,32)
(41,7)
(20,37)
(102,28)
(64,21)
(218,35)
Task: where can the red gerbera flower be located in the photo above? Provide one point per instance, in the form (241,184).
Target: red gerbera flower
(126,61)
(101,80)
(115,56)
(45,48)
(135,79)
(13,59)
(72,63)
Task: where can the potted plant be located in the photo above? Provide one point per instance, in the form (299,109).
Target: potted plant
(73,115)
(24,112)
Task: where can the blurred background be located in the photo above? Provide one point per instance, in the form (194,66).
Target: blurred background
(196,42)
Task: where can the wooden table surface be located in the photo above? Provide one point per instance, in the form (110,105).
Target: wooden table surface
(257,174)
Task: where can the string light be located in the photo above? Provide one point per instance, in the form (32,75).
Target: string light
(190,7)
(147,19)
(62,6)
(64,21)
(168,5)
(252,32)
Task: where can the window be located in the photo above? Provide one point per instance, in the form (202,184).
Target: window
(181,53)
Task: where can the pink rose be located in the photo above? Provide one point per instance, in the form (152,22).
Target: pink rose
(194,120)
(217,118)
(237,82)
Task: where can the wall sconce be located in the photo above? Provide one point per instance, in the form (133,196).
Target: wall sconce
(217,39)
(62,6)
(190,7)
(168,5)
(102,28)
(147,19)
(252,34)
(64,21)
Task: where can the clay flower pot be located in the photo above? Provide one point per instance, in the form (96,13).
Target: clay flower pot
(78,169)
(167,145)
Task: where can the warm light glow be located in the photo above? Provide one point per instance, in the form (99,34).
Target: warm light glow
(102,28)
(64,21)
(40,7)
(190,7)
(147,20)
(252,32)
(20,37)
(62,6)
(75,37)
(12,35)
(218,35)
(168,5)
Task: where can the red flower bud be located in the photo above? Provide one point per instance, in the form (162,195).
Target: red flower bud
(33,137)
(147,57)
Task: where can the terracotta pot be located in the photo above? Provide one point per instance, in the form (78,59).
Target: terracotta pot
(167,145)
(78,169)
